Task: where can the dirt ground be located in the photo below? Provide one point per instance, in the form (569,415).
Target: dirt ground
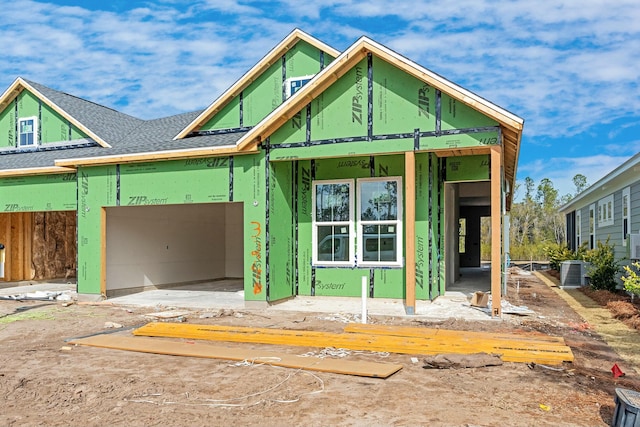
(46,382)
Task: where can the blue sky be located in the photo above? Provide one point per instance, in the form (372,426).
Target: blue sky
(569,68)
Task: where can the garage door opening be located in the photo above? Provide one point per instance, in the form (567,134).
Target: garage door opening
(187,247)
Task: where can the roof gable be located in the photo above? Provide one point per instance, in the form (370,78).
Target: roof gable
(101,124)
(482,112)
(259,91)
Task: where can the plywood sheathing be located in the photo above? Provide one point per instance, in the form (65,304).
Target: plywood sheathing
(20,84)
(510,350)
(272,57)
(205,350)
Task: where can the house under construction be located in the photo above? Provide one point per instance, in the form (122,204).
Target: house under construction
(314,169)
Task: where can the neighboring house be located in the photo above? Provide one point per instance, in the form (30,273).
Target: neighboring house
(313,170)
(609,209)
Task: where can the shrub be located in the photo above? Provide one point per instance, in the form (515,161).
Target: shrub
(556,254)
(604,266)
(632,280)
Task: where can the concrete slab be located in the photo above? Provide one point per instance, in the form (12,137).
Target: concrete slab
(454,304)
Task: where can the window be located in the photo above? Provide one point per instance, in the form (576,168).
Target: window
(333,236)
(605,211)
(626,208)
(380,222)
(28,132)
(462,235)
(294,84)
(578,229)
(378,225)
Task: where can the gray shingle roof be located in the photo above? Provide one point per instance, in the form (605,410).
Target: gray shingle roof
(125,134)
(107,123)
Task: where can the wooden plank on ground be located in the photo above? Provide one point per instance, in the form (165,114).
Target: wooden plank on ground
(258,356)
(509,351)
(411,331)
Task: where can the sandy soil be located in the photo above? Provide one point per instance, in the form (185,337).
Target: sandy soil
(44,381)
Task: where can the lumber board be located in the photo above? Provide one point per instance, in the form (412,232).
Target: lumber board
(257,356)
(410,331)
(509,351)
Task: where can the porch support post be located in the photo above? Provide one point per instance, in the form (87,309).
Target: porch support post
(410,230)
(496,230)
(103,252)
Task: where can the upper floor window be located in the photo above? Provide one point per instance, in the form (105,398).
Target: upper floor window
(28,132)
(605,211)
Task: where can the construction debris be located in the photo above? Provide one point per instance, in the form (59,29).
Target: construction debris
(38,296)
(455,361)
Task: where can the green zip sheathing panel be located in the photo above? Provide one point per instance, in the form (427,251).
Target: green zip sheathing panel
(387,282)
(281,231)
(468,168)
(304,214)
(457,115)
(52,127)
(363,148)
(341,110)
(97,187)
(175,182)
(304,60)
(264,94)
(249,185)
(459,140)
(8,126)
(394,91)
(38,193)
(423,241)
(227,118)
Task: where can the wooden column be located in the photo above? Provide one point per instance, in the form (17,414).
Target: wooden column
(103,252)
(410,230)
(496,230)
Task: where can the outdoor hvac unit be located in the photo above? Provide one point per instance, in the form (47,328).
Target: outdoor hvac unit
(633,245)
(573,274)
(293,84)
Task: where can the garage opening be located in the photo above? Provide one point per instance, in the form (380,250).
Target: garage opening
(186,247)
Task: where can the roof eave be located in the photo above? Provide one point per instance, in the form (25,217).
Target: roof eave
(152,156)
(49,170)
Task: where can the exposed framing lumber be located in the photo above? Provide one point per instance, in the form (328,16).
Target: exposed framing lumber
(190,153)
(496,231)
(52,170)
(410,231)
(515,350)
(271,58)
(20,84)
